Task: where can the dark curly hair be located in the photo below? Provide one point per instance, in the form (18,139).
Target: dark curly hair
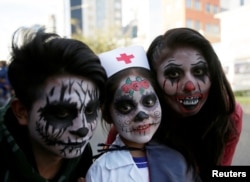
(43,55)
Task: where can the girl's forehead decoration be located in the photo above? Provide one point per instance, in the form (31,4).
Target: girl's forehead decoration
(137,85)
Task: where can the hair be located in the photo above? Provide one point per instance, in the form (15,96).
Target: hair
(212,127)
(43,55)
(113,83)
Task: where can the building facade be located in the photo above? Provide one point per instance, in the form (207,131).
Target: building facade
(89,16)
(195,14)
(235,45)
(155,17)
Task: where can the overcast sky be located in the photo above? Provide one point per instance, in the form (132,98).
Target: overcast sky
(17,13)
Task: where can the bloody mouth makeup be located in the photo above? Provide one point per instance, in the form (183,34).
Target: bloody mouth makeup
(184,78)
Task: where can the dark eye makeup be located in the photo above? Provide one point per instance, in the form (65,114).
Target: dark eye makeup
(59,113)
(149,100)
(124,104)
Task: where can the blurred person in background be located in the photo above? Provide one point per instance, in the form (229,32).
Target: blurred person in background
(5,87)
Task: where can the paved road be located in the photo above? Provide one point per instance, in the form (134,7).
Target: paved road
(100,136)
(242,155)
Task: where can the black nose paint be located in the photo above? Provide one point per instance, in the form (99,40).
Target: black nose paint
(141,116)
(82,132)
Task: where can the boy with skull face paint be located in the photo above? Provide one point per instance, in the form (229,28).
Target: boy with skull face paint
(44,135)
(133,107)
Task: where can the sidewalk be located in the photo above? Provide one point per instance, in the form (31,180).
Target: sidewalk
(246,108)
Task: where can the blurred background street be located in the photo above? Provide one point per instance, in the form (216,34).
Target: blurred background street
(242,155)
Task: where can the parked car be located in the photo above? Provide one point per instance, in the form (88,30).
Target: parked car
(238,74)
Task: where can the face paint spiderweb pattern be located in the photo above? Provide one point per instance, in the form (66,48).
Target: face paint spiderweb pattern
(69,121)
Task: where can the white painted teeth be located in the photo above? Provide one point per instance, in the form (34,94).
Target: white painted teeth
(189,101)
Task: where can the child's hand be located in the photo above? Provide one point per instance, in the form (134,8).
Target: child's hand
(81,180)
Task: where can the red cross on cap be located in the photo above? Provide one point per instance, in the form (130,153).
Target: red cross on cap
(126,58)
(122,58)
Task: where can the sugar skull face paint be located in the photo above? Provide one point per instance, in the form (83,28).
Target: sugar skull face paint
(65,116)
(135,110)
(184,77)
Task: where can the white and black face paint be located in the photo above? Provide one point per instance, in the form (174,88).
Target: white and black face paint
(64,118)
(136,110)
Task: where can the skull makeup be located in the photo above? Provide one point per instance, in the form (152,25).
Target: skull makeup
(65,116)
(136,110)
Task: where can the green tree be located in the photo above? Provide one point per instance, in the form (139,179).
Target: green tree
(101,41)
(98,43)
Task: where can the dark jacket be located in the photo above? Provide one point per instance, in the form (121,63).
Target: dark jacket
(168,165)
